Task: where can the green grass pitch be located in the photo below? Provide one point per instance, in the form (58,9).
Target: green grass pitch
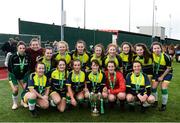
(81,115)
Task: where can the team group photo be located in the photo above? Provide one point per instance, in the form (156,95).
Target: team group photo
(94,61)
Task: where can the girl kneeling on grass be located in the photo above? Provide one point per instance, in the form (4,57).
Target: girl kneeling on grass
(76,83)
(37,90)
(95,81)
(58,85)
(115,85)
(138,87)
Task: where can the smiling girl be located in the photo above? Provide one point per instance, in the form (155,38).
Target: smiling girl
(18,67)
(115,85)
(162,73)
(63,53)
(138,87)
(112,56)
(80,53)
(127,57)
(76,83)
(144,56)
(37,90)
(58,85)
(98,54)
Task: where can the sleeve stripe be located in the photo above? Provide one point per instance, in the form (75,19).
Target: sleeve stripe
(148,86)
(30,86)
(68,84)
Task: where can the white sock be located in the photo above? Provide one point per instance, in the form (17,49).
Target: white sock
(15,99)
(164,99)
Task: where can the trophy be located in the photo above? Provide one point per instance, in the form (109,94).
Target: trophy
(94,100)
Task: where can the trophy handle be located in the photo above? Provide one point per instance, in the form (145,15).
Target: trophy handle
(102,106)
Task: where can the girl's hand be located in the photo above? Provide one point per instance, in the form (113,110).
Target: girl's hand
(140,97)
(104,94)
(73,102)
(109,91)
(45,97)
(160,79)
(86,94)
(144,97)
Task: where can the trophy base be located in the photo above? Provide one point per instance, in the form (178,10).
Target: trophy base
(95,114)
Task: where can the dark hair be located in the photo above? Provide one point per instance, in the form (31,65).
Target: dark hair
(39,63)
(156,43)
(137,62)
(177,47)
(95,61)
(47,48)
(63,60)
(72,62)
(21,43)
(146,53)
(131,51)
(171,47)
(111,61)
(80,42)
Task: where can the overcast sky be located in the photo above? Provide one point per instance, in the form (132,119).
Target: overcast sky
(100,14)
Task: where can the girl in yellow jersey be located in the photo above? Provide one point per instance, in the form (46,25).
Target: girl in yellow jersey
(112,56)
(63,53)
(76,83)
(47,60)
(144,56)
(95,81)
(127,57)
(81,54)
(162,73)
(58,85)
(37,90)
(138,87)
(98,54)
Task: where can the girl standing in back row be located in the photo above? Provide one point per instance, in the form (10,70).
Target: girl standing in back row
(127,57)
(18,67)
(162,73)
(80,53)
(144,56)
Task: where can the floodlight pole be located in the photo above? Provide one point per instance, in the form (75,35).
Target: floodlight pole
(153,21)
(129,15)
(62,20)
(170,26)
(84,14)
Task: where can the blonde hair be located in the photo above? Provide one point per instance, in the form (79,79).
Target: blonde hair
(111,45)
(101,46)
(35,40)
(65,43)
